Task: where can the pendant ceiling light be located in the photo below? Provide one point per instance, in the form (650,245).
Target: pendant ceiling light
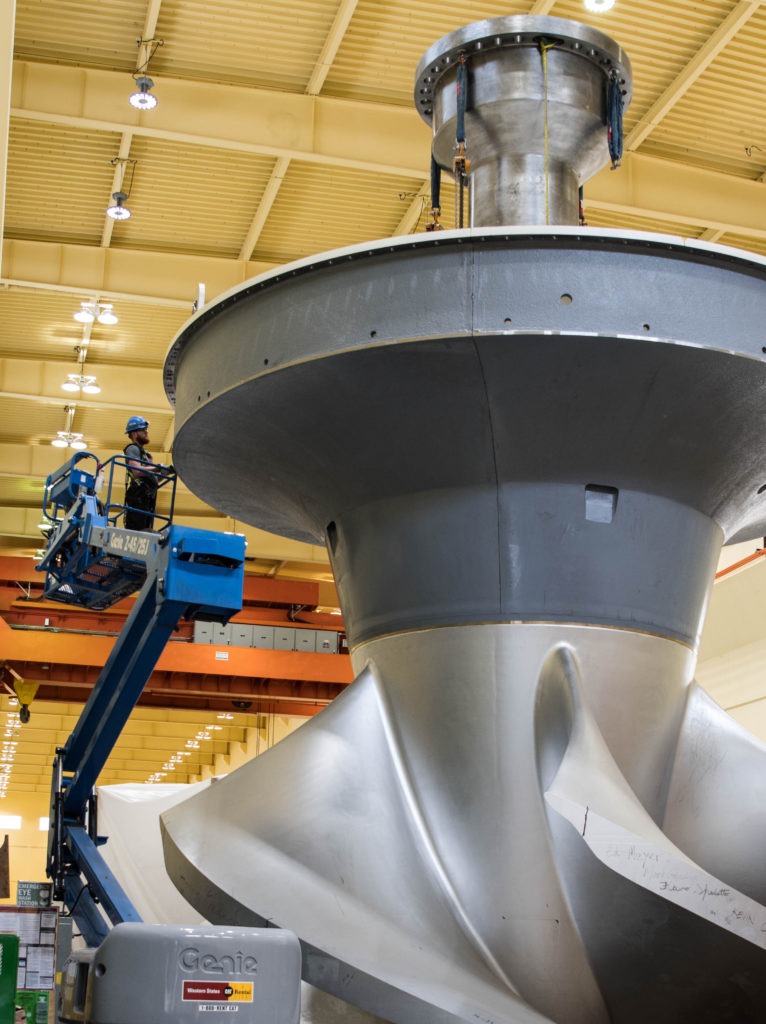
(103,312)
(67,438)
(81,382)
(143,98)
(118,211)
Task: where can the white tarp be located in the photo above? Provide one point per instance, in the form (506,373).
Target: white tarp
(129,814)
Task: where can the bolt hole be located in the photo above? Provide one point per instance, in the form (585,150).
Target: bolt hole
(373,334)
(507,320)
(208,394)
(763,349)
(100,970)
(265,362)
(199,398)
(647,327)
(566,299)
(762,488)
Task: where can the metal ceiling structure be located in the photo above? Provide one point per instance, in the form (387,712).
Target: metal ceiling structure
(284,128)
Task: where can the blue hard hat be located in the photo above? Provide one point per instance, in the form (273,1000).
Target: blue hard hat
(136,423)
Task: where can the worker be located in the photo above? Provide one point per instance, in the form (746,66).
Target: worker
(142,477)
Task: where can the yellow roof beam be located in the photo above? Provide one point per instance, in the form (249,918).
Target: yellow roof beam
(268,199)
(335,132)
(663,190)
(711,235)
(7,22)
(410,219)
(118,178)
(150,27)
(331,46)
(151,278)
(737,17)
(321,70)
(342,133)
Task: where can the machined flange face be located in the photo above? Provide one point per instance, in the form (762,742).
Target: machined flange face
(495,34)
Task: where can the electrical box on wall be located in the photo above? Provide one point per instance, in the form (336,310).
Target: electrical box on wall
(284,638)
(305,640)
(326,641)
(263,637)
(278,638)
(242,634)
(203,632)
(221,634)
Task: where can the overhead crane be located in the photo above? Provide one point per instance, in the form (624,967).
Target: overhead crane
(93,561)
(60,649)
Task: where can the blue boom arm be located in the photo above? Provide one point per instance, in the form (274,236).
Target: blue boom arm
(92,561)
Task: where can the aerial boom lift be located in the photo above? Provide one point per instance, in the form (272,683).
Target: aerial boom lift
(93,561)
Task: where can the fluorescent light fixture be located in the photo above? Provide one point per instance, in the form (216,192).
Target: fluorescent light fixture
(143,99)
(66,439)
(86,314)
(10,821)
(118,211)
(599,6)
(101,311)
(81,382)
(44,824)
(106,314)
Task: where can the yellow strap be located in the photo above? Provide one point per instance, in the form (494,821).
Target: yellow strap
(544,47)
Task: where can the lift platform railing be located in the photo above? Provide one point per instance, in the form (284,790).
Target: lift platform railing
(91,560)
(165,478)
(63,485)
(67,483)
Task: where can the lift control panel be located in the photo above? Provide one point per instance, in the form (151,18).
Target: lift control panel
(144,972)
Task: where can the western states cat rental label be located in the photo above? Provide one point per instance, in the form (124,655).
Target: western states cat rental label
(217,996)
